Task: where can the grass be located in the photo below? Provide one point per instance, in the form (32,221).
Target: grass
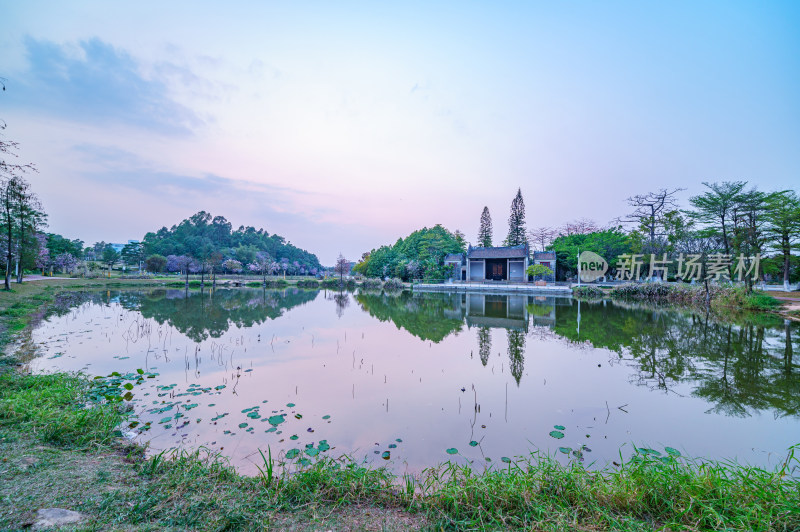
(55,408)
(642,494)
(587,292)
(721,296)
(60,448)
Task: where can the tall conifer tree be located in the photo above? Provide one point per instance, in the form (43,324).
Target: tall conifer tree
(516,222)
(485,232)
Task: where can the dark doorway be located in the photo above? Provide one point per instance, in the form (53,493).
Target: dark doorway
(496,269)
(463,275)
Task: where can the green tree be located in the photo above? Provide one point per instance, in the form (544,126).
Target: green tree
(110,255)
(538,270)
(485,230)
(132,253)
(716,207)
(29,218)
(517,234)
(609,244)
(783,229)
(58,244)
(155,263)
(422,251)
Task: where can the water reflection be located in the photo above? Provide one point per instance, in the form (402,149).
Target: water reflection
(739,369)
(329,364)
(203,314)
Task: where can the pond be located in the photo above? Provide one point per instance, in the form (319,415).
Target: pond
(412,380)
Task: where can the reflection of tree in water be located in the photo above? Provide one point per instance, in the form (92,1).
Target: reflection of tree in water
(516,353)
(425,316)
(738,368)
(199,315)
(484,344)
(342,300)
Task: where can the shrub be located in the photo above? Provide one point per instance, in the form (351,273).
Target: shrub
(371,284)
(587,291)
(393,284)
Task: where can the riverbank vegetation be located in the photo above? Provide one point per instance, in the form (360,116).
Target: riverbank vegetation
(418,256)
(726,220)
(60,445)
(714,295)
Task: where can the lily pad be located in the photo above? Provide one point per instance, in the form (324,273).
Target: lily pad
(565,450)
(304,462)
(672,452)
(312,452)
(557,434)
(294,437)
(386,455)
(506,459)
(452,450)
(323,445)
(392,446)
(290,405)
(473,443)
(559,427)
(242,425)
(326,417)
(291,454)
(276,420)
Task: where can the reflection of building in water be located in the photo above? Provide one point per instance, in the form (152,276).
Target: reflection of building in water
(493,310)
(496,311)
(542,310)
(455,307)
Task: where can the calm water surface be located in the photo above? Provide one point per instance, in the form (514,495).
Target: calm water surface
(407,380)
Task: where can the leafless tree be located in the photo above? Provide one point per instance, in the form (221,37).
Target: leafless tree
(581,226)
(649,211)
(542,236)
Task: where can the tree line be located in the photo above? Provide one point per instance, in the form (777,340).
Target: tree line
(727,218)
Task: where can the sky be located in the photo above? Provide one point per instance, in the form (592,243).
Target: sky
(343,126)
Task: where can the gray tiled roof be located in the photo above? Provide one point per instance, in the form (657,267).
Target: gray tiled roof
(453,257)
(498,253)
(544,255)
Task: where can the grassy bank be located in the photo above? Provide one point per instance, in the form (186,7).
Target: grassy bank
(718,296)
(59,447)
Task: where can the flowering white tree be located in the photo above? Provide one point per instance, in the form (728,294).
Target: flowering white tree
(43,255)
(261,264)
(66,262)
(232,265)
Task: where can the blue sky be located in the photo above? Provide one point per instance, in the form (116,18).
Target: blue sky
(345,126)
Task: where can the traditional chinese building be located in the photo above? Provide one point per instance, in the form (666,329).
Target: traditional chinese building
(458,262)
(497,263)
(547,259)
